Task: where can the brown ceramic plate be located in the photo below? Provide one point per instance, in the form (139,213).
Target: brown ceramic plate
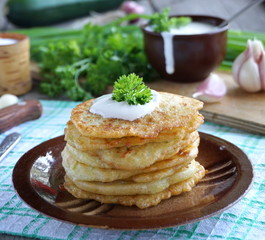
(38,178)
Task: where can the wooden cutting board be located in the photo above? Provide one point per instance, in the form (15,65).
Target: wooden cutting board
(237,109)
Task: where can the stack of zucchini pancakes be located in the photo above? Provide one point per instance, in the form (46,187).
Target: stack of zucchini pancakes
(138,162)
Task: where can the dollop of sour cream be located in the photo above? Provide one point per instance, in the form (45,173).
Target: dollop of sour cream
(7,41)
(192,28)
(106,107)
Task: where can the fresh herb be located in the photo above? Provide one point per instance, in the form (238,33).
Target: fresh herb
(84,66)
(61,68)
(100,54)
(160,22)
(132,90)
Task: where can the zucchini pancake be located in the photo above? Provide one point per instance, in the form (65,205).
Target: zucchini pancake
(134,162)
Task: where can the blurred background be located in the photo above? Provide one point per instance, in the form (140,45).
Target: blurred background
(251,20)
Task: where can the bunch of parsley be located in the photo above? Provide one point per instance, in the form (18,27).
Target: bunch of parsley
(82,68)
(81,64)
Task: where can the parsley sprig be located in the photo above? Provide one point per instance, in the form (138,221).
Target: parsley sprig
(161,22)
(131,89)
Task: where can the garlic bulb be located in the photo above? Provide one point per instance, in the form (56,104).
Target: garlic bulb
(249,67)
(8,100)
(211,90)
(130,7)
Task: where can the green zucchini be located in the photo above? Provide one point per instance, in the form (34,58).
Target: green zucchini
(30,13)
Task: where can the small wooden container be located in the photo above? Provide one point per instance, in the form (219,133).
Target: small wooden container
(15,65)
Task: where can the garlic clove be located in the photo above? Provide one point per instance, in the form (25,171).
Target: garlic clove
(8,100)
(262,71)
(249,67)
(237,65)
(211,90)
(206,98)
(256,48)
(248,77)
(132,7)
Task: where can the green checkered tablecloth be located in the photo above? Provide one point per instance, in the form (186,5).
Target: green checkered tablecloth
(245,220)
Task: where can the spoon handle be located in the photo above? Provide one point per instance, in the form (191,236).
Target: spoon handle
(251,4)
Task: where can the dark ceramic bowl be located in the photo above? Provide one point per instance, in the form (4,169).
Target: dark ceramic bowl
(195,56)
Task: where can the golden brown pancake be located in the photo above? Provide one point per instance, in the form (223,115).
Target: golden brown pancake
(141,201)
(138,162)
(80,171)
(133,188)
(135,157)
(86,143)
(173,111)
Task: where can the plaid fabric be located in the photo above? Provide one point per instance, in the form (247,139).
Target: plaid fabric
(245,220)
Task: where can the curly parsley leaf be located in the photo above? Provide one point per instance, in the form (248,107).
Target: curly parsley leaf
(132,90)
(161,22)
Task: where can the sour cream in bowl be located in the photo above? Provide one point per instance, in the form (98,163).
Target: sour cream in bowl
(189,53)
